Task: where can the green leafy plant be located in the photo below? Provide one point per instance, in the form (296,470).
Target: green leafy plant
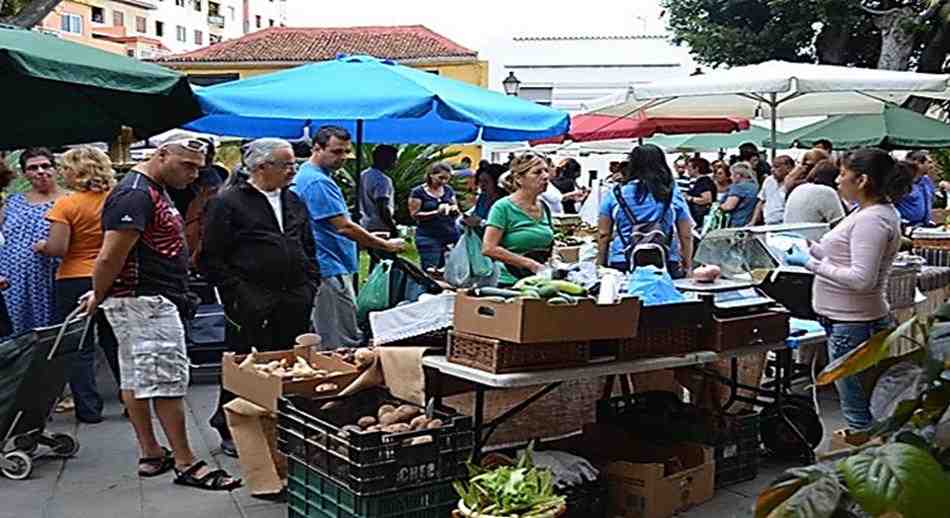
(906,470)
(522,490)
(410,171)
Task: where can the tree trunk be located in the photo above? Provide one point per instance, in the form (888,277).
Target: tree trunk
(831,45)
(932,62)
(33,13)
(897,38)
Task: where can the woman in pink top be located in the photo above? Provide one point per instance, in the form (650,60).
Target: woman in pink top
(852,263)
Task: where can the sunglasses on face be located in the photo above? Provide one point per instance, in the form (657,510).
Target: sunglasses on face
(32,168)
(191,144)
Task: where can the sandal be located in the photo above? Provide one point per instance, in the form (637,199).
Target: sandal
(159,465)
(212,480)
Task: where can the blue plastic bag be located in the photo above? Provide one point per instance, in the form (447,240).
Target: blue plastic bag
(653,286)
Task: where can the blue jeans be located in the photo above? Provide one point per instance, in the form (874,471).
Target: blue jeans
(82,371)
(844,337)
(431,251)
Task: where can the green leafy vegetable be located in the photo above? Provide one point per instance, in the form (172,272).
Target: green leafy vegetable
(521,490)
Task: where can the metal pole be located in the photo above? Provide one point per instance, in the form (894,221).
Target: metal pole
(356,182)
(773,107)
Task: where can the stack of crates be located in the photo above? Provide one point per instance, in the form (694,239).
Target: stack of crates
(343,473)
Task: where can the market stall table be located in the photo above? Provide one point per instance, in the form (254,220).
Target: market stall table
(483,381)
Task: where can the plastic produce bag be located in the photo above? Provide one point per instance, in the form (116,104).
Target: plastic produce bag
(374,295)
(653,286)
(466,267)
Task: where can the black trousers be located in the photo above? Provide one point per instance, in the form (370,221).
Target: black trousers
(276,329)
(82,372)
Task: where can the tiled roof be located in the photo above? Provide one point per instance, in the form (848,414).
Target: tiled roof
(295,44)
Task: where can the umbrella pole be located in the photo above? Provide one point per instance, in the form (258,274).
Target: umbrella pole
(773,106)
(356,182)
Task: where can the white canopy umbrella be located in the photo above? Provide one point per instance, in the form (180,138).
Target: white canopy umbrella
(779,89)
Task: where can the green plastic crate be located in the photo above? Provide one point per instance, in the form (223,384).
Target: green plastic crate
(312,495)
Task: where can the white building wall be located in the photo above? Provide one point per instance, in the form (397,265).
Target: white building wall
(230,22)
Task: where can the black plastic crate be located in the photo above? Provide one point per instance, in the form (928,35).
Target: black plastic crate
(311,494)
(662,417)
(588,500)
(371,463)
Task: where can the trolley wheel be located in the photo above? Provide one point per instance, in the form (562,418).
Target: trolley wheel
(779,437)
(65,446)
(17,465)
(25,443)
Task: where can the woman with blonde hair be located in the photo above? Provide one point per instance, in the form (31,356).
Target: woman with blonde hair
(76,236)
(435,209)
(519,232)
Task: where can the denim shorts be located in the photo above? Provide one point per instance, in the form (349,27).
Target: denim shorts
(153,361)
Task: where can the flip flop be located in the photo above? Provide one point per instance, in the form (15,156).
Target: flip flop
(211,481)
(160,465)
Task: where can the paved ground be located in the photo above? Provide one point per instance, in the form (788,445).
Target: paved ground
(100,482)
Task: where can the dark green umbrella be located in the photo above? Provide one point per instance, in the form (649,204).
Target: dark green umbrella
(892,128)
(59,92)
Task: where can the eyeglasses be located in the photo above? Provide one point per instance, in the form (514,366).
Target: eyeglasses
(282,164)
(40,167)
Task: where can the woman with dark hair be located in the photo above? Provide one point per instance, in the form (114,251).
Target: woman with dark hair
(852,263)
(816,201)
(486,178)
(565,180)
(434,208)
(722,179)
(648,195)
(30,297)
(702,189)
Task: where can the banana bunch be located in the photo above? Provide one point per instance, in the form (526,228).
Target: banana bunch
(536,287)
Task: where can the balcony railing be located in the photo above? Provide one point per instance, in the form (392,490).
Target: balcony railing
(216,20)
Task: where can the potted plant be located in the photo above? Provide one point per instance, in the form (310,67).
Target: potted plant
(904,469)
(519,491)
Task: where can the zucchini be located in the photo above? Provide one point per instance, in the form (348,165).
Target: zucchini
(496,292)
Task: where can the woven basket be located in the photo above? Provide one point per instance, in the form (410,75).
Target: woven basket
(498,356)
(902,287)
(667,329)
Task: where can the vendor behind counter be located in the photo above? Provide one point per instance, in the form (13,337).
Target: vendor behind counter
(519,231)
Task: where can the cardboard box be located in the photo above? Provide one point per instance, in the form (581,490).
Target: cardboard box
(535,321)
(646,480)
(569,254)
(264,390)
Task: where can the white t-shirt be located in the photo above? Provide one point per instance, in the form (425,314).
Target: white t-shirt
(553,198)
(273,197)
(813,203)
(773,194)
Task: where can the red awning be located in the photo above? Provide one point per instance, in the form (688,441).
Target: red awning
(589,128)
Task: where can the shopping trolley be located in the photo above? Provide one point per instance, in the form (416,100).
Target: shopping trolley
(33,369)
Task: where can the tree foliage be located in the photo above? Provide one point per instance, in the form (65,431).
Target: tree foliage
(847,32)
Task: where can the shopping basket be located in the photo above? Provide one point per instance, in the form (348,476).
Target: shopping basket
(33,370)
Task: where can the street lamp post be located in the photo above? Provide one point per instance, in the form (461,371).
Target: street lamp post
(512,84)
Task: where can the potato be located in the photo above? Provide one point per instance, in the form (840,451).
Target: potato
(374,428)
(419,422)
(348,429)
(397,428)
(434,424)
(366,422)
(364,358)
(326,387)
(385,409)
(390,418)
(407,413)
(425,439)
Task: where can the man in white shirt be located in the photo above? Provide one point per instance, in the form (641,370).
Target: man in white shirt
(771,207)
(259,250)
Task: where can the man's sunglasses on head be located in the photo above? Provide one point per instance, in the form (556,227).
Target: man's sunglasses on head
(191,144)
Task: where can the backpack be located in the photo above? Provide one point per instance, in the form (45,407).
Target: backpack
(643,232)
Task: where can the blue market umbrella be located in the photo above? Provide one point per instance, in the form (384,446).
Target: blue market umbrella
(378,100)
